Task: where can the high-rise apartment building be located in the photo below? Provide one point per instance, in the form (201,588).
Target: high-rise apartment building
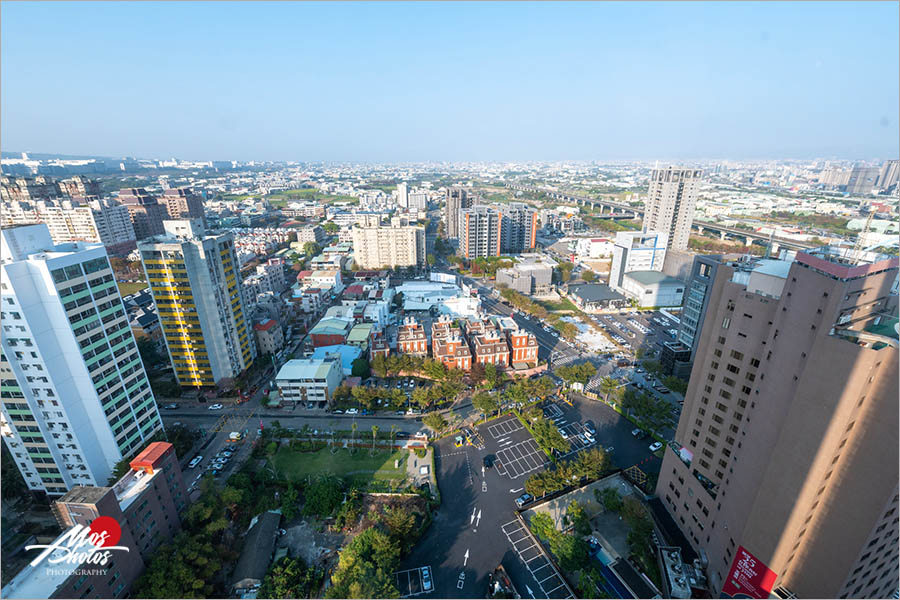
(457,200)
(788,439)
(636,251)
(79,187)
(863,180)
(518,228)
(403,194)
(479,232)
(417,201)
(147,214)
(193,279)
(376,247)
(75,395)
(183,203)
(670,204)
(28,189)
(888,176)
(101,221)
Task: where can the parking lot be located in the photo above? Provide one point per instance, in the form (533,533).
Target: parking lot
(412,582)
(550,583)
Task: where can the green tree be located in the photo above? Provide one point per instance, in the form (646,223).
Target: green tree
(374,436)
(608,385)
(542,525)
(610,498)
(330,228)
(366,567)
(400,524)
(322,495)
(435,369)
(476,373)
(289,502)
(435,421)
(493,376)
(430,259)
(186,567)
(290,578)
(360,368)
(485,403)
(591,464)
(311,249)
(589,276)
(577,516)
(676,384)
(572,552)
(379,366)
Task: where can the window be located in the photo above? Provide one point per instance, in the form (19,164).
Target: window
(734,369)
(726,322)
(737,355)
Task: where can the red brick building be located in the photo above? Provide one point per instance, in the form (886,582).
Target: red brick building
(411,338)
(448,345)
(523,349)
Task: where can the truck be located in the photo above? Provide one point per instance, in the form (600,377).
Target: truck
(235,436)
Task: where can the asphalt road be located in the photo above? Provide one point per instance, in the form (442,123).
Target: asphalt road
(466,493)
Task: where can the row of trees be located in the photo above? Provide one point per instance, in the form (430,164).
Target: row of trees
(586,466)
(580,373)
(571,551)
(525,304)
(655,413)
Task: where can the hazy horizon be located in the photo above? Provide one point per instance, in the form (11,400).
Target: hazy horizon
(448,82)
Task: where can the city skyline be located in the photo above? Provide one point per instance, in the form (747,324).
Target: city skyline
(443,82)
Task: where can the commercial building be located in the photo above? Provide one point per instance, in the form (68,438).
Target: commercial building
(457,200)
(411,338)
(596,297)
(652,289)
(183,203)
(145,502)
(309,380)
(75,395)
(670,204)
(527,277)
(786,441)
(147,214)
(269,337)
(193,278)
(636,251)
(394,246)
(330,331)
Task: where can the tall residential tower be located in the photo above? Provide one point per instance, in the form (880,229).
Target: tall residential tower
(670,204)
(195,286)
(75,395)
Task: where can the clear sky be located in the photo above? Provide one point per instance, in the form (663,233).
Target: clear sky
(451,81)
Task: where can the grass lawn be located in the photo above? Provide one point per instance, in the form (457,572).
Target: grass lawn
(129,288)
(563,304)
(279,199)
(358,468)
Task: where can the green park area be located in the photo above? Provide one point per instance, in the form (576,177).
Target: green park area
(279,199)
(358,468)
(564,304)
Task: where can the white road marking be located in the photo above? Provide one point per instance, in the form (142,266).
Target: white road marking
(466,557)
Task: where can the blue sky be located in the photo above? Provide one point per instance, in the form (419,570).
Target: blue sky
(451,81)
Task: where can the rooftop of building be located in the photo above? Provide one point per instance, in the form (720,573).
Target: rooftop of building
(330,326)
(360,332)
(346,353)
(84,495)
(265,325)
(652,278)
(130,487)
(595,292)
(306,368)
(39,581)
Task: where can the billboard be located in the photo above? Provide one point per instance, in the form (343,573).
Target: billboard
(748,578)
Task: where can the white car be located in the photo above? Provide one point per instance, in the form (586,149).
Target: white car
(563,433)
(655,446)
(195,461)
(215,407)
(352,411)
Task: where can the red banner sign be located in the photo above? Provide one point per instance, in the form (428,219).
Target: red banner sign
(748,578)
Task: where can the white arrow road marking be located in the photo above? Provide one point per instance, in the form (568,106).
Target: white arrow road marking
(478,520)
(514,491)
(472,519)
(482,470)
(466,557)
(530,593)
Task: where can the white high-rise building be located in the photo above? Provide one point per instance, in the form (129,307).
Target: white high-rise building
(403,194)
(75,396)
(417,201)
(376,247)
(636,251)
(195,286)
(69,221)
(670,204)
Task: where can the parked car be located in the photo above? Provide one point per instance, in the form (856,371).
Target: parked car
(589,427)
(195,461)
(172,406)
(426,578)
(215,407)
(655,446)
(352,411)
(523,500)
(337,411)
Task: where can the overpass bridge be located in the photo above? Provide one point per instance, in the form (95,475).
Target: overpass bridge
(620,210)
